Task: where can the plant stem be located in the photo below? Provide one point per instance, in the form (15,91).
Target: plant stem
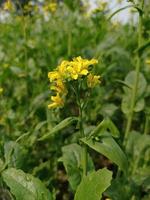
(69,43)
(135,86)
(84,147)
(146,128)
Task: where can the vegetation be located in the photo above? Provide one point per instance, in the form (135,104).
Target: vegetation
(74,101)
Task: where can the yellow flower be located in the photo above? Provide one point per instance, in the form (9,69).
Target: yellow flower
(62,68)
(54,76)
(59,87)
(76,70)
(50,7)
(79,67)
(5,65)
(8,5)
(57,102)
(66,71)
(147,61)
(92,80)
(1,90)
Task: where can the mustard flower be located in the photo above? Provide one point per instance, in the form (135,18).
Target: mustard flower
(79,67)
(92,80)
(55,75)
(1,90)
(8,5)
(59,87)
(50,7)
(62,68)
(57,101)
(67,71)
(147,61)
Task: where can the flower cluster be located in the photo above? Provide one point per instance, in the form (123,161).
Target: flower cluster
(1,90)
(67,71)
(8,5)
(52,7)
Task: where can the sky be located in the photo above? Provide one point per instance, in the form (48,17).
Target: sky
(123,16)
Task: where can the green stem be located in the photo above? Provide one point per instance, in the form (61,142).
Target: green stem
(69,43)
(146,128)
(84,147)
(135,86)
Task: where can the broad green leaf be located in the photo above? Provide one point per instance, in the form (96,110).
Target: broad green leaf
(130,80)
(14,154)
(72,156)
(24,186)
(108,109)
(138,150)
(93,185)
(120,189)
(109,148)
(142,175)
(63,124)
(139,106)
(141,88)
(103,126)
(137,143)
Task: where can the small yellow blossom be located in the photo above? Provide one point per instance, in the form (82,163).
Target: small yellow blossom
(50,7)
(8,5)
(54,75)
(57,101)
(5,65)
(147,61)
(79,67)
(1,90)
(76,70)
(62,68)
(92,80)
(67,71)
(59,87)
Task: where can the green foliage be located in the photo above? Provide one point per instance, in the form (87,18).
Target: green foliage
(141,88)
(71,158)
(92,186)
(34,139)
(107,146)
(25,186)
(63,124)
(138,152)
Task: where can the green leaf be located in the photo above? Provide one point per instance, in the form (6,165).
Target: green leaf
(137,143)
(142,175)
(109,148)
(14,154)
(141,49)
(93,185)
(139,106)
(130,80)
(142,85)
(120,189)
(72,156)
(108,109)
(63,124)
(24,186)
(105,125)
